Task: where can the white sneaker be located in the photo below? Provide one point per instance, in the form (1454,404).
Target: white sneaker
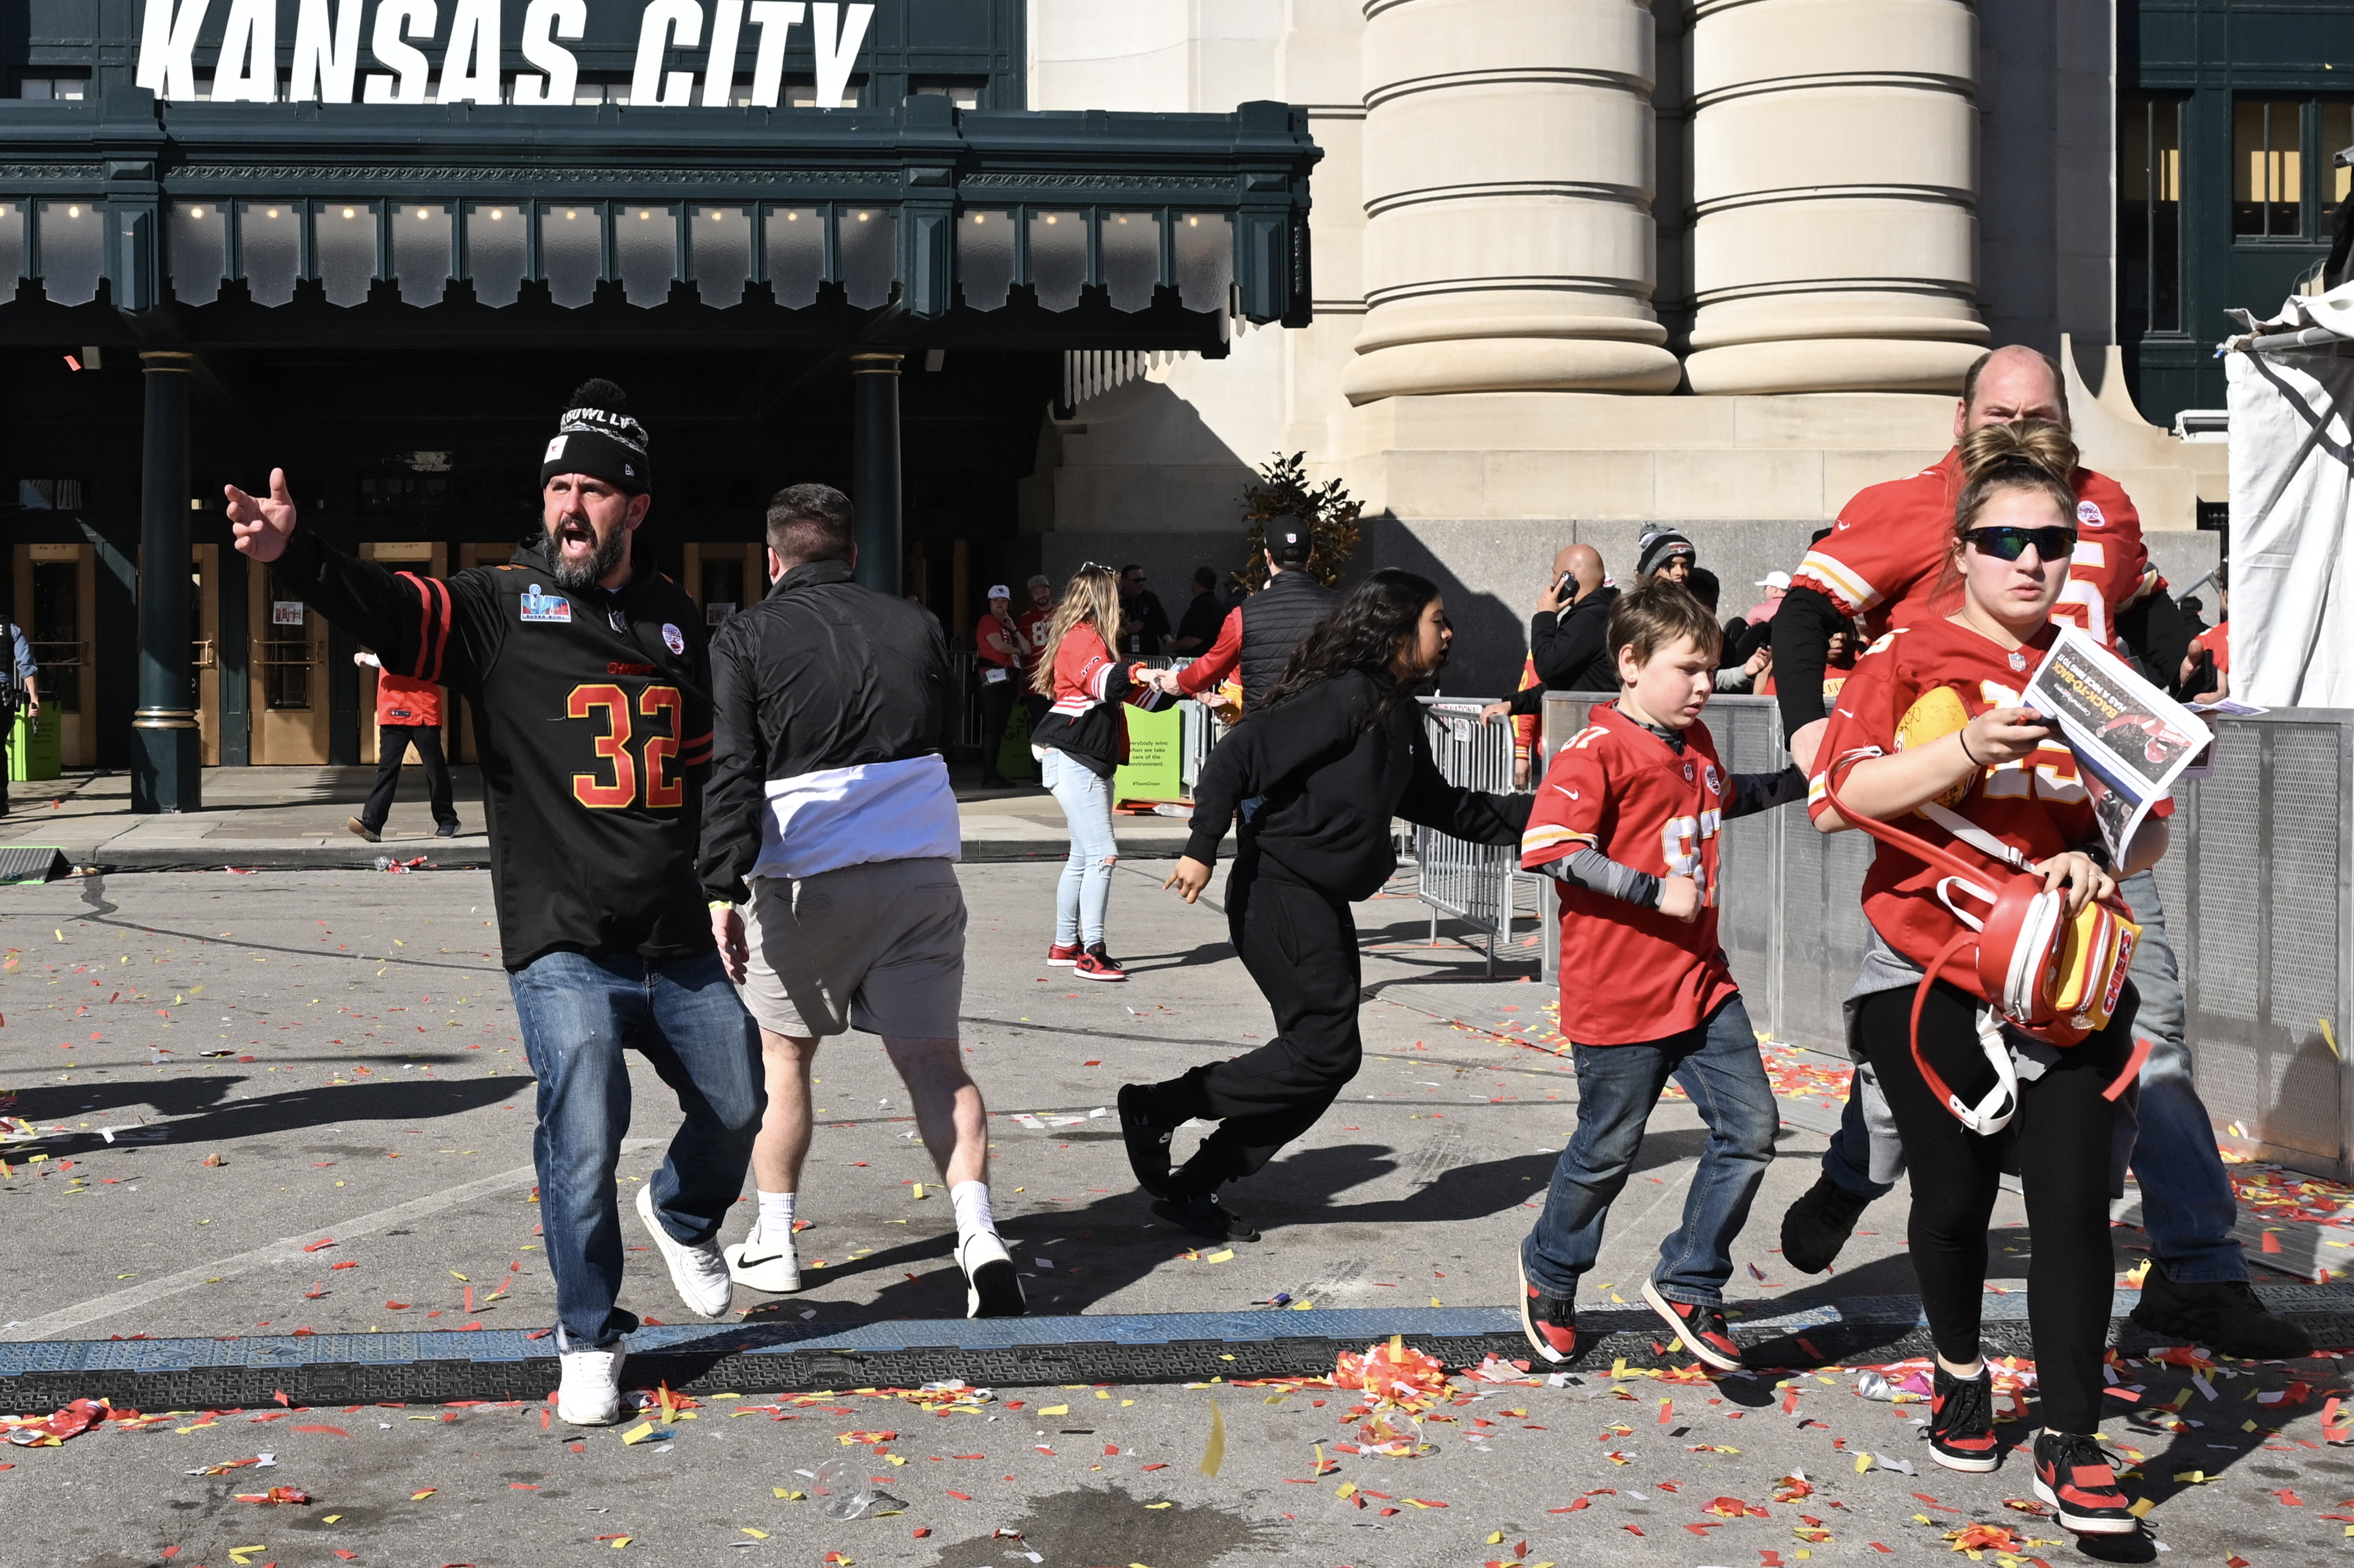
(698,1273)
(758,1264)
(991,1288)
(590,1394)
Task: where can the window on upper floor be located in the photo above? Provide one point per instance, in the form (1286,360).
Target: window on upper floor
(2149,216)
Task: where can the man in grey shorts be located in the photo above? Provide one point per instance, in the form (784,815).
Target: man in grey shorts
(830,842)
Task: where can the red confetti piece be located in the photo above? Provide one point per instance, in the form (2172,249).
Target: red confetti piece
(322,1245)
(337,1431)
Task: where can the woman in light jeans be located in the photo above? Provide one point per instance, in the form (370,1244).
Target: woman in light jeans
(1083,737)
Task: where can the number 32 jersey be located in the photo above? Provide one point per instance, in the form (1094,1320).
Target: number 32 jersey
(592,715)
(1631,974)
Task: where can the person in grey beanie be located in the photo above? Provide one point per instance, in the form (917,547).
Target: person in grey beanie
(1663,555)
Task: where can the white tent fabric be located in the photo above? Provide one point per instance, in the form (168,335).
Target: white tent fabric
(2291,401)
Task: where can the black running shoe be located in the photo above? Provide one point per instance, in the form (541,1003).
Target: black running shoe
(1549,1322)
(1703,1329)
(1818,1224)
(1961,1421)
(1202,1214)
(1148,1141)
(2074,1476)
(2226,1315)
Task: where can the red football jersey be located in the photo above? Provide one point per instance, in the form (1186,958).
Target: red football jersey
(1886,559)
(2038,803)
(1631,974)
(1032,625)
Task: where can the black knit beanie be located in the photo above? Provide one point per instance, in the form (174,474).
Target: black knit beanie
(597,437)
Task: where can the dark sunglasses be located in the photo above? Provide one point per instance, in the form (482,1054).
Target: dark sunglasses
(2009,544)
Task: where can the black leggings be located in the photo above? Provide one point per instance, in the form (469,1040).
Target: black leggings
(1300,943)
(2060,1140)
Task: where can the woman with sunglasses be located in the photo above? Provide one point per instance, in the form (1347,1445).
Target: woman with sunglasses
(1947,751)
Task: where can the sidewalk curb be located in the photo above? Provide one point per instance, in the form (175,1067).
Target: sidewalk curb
(755,1356)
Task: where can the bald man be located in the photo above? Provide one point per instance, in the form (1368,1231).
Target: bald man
(1884,564)
(1566,633)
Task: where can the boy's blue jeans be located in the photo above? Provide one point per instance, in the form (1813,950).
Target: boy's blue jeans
(1617,1086)
(578,1015)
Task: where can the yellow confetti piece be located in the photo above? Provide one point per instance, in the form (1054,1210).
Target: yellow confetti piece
(1619,1367)
(2329,1038)
(455,1275)
(1347,1489)
(1214,1455)
(920,1189)
(331,1518)
(1225,1257)
(1160,1505)
(755,1534)
(640,1433)
(1862,1463)
(2141,1509)
(1055,1410)
(785,1495)
(620,1541)
(421,1495)
(1434,1301)
(1301,1306)
(1496,1539)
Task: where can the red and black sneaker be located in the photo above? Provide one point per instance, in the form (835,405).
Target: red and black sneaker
(1095,964)
(1063,955)
(1961,1421)
(2074,1476)
(1703,1329)
(1549,1321)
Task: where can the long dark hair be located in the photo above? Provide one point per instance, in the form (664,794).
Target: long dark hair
(1362,635)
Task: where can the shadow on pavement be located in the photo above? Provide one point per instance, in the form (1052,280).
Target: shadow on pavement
(196,1112)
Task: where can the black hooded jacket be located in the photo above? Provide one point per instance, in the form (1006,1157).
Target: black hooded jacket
(1328,778)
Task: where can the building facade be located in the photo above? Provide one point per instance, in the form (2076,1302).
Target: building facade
(1586,265)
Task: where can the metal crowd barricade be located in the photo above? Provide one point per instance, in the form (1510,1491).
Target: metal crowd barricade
(2257,889)
(1480,885)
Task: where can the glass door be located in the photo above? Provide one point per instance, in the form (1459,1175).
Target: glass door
(290,666)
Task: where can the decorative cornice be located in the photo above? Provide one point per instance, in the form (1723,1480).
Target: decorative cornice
(517,174)
(1010,179)
(94,172)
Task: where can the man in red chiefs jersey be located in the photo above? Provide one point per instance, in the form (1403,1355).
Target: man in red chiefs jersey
(1627,821)
(1884,562)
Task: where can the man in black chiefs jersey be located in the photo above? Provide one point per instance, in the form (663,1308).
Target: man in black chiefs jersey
(592,710)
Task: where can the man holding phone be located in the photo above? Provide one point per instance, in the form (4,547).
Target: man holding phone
(1567,634)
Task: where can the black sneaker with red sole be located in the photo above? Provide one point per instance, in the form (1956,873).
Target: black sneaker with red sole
(1961,1421)
(1095,964)
(1703,1330)
(1549,1321)
(2074,1475)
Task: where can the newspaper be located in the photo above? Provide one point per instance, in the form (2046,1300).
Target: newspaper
(2132,741)
(2203,765)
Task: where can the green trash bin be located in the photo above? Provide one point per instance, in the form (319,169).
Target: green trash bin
(37,750)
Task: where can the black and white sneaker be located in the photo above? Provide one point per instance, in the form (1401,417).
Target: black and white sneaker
(2074,1475)
(1203,1215)
(764,1263)
(1148,1141)
(992,1287)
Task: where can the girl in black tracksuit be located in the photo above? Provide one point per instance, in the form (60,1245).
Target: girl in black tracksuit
(1316,772)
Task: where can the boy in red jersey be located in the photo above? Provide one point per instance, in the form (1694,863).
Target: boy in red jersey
(1627,821)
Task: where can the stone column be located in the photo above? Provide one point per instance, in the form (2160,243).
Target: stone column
(874,467)
(1509,240)
(1834,191)
(168,757)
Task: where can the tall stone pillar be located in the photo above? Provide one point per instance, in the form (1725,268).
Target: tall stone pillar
(1509,240)
(166,767)
(1834,192)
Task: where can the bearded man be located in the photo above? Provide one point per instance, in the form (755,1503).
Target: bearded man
(592,707)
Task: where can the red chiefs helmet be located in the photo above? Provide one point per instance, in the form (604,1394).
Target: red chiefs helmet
(2045,973)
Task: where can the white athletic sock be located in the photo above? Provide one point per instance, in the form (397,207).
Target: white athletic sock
(972,1212)
(777,1216)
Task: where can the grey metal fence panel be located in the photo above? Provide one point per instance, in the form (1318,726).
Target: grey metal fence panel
(2258,890)
(1480,885)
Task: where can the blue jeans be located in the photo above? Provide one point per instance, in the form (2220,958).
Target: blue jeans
(579,1013)
(1718,1065)
(1085,892)
(2187,1206)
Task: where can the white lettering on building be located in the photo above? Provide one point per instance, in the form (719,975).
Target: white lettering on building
(326,57)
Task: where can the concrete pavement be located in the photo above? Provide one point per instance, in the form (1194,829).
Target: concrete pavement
(344,1044)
